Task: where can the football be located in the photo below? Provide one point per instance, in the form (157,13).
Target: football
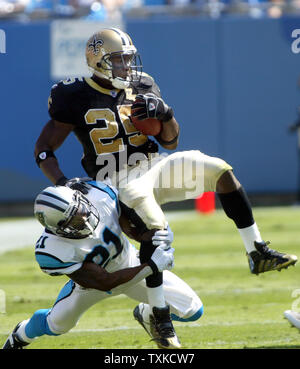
(149,127)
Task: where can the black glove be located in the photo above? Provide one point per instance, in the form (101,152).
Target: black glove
(151,106)
(148,147)
(77,184)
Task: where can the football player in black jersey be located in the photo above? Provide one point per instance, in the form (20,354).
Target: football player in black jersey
(97,110)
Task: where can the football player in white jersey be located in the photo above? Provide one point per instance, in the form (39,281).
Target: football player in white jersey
(83,240)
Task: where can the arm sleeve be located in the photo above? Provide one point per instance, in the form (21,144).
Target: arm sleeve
(52,265)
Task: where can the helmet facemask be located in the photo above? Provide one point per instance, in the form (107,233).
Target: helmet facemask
(81,219)
(111,55)
(121,68)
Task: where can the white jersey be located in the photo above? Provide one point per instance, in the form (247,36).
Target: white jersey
(108,247)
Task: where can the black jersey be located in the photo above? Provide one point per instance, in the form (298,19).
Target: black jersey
(102,124)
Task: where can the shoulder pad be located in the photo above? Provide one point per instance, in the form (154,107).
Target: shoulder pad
(68,85)
(147,84)
(61,105)
(146,80)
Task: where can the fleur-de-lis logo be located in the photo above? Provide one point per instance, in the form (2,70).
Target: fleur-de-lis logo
(94,46)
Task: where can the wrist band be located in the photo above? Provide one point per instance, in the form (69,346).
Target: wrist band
(43,155)
(163,142)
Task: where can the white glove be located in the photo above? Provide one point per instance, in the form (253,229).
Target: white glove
(164,236)
(162,258)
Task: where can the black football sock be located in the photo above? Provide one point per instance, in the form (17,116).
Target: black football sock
(237,207)
(146,251)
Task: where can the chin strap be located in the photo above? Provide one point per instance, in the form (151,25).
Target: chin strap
(117,82)
(120,83)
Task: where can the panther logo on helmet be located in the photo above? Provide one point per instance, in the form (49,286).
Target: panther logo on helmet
(40,217)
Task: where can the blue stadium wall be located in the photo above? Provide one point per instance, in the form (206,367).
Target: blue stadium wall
(231,81)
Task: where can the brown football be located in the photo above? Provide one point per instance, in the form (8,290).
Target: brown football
(149,127)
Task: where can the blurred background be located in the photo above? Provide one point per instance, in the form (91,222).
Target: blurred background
(230,69)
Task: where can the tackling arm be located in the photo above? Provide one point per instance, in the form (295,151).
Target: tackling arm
(91,275)
(51,138)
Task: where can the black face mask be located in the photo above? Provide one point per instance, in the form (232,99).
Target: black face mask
(82,219)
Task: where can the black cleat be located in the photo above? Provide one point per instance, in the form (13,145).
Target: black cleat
(160,327)
(266,259)
(13,342)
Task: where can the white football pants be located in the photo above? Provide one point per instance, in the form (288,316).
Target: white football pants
(74,300)
(162,179)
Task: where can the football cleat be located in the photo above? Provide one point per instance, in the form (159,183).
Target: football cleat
(138,315)
(160,327)
(265,259)
(293,317)
(13,342)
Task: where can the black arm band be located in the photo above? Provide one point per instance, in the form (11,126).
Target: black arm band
(168,116)
(163,142)
(153,266)
(43,155)
(61,181)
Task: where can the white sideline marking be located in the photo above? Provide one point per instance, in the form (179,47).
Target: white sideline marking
(179,324)
(16,234)
(186,325)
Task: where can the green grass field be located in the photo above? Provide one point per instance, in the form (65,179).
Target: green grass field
(241,310)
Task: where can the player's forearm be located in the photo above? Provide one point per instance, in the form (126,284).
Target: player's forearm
(50,139)
(49,166)
(129,276)
(51,170)
(168,137)
(91,275)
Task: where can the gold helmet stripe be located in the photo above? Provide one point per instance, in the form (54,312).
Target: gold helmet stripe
(126,40)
